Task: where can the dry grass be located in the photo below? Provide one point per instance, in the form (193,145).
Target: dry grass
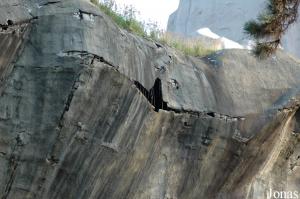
(192,47)
(189,46)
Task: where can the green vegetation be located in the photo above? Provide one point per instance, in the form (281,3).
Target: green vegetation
(270,26)
(189,46)
(127,20)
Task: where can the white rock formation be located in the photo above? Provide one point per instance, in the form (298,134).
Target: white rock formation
(223,41)
(208,33)
(226,18)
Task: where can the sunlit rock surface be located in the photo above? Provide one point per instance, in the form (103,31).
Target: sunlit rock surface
(216,42)
(226,18)
(91,111)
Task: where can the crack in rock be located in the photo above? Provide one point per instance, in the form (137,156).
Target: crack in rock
(50,3)
(86,55)
(12,168)
(83,15)
(12,26)
(154,96)
(69,99)
(13,162)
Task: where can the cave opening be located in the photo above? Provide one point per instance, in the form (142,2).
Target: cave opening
(154,95)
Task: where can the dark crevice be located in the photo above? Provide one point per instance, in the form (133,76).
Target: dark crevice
(158,45)
(88,13)
(101,59)
(52,159)
(50,2)
(10,23)
(157,97)
(12,169)
(154,95)
(69,100)
(94,57)
(5,26)
(67,104)
(212,114)
(80,13)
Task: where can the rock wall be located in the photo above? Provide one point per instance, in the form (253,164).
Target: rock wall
(91,111)
(225,18)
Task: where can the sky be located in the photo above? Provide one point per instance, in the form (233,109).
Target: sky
(153,10)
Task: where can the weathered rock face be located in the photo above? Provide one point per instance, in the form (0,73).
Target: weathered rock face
(226,18)
(91,111)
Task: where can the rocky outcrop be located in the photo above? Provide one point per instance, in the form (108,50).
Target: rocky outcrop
(225,18)
(91,111)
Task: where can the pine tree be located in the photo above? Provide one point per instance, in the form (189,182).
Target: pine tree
(270,26)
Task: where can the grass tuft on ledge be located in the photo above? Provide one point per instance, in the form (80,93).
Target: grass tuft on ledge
(127,20)
(188,46)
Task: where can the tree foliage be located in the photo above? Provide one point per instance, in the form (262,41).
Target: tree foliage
(271,25)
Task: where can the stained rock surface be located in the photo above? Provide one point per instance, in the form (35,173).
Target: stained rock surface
(226,18)
(88,110)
